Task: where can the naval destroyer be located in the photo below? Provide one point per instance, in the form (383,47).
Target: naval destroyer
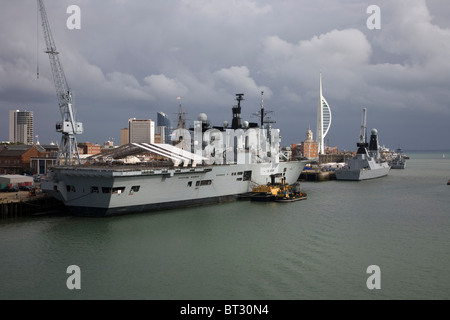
(217,165)
(367,163)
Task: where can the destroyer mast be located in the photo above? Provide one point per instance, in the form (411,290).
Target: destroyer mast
(362,143)
(69,127)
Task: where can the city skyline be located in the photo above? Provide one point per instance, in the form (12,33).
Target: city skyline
(205,53)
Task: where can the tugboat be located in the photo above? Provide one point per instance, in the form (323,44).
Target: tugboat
(291,194)
(279,192)
(367,163)
(264,193)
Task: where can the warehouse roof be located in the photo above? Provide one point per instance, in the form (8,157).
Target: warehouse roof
(15,178)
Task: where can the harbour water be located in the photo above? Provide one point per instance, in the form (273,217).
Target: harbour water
(314,249)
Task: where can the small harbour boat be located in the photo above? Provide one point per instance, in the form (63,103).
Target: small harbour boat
(397,164)
(291,197)
(399,161)
(279,192)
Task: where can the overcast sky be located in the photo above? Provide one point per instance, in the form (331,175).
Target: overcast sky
(133,58)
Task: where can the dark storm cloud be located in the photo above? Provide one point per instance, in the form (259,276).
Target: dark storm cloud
(134,58)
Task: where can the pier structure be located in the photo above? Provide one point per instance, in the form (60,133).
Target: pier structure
(323,170)
(20,204)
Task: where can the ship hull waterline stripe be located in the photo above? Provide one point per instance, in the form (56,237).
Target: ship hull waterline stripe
(105,212)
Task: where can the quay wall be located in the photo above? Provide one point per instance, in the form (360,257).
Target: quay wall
(44,204)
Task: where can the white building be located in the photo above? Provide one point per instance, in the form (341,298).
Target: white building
(21,126)
(141,131)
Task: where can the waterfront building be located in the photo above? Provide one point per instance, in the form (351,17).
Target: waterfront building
(16,159)
(141,131)
(124,136)
(45,160)
(158,138)
(331,150)
(108,144)
(307,149)
(161,134)
(89,148)
(163,127)
(21,127)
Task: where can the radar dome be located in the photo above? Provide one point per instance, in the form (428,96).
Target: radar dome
(375,132)
(245,124)
(225,124)
(202,117)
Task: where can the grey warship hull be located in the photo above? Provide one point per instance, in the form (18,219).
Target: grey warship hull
(362,174)
(93,191)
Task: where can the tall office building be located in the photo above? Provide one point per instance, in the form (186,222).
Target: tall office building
(164,126)
(124,136)
(21,126)
(161,132)
(141,131)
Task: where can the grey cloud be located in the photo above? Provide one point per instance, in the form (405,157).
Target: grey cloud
(134,58)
